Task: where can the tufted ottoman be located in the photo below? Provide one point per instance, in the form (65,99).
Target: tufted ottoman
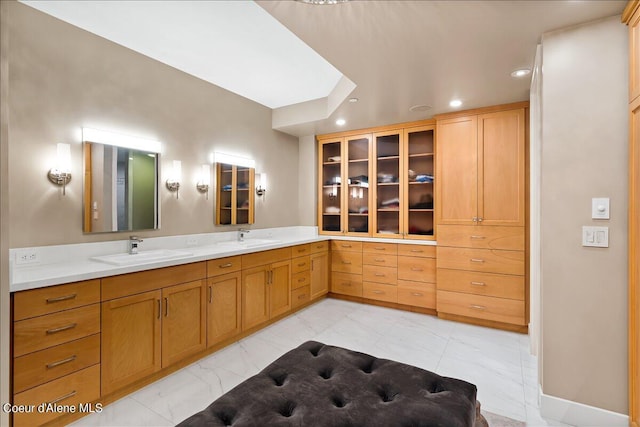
(322,385)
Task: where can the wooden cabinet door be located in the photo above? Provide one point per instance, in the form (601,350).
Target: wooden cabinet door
(280,288)
(634,56)
(183,321)
(255,299)
(131,346)
(223,308)
(457,170)
(331,186)
(501,173)
(319,274)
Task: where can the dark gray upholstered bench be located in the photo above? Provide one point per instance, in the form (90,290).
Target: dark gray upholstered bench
(322,385)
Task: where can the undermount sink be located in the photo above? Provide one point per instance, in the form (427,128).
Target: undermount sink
(249,243)
(142,257)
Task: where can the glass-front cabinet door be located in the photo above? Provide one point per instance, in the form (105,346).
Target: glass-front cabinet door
(419,182)
(387,167)
(330,203)
(235,200)
(358,171)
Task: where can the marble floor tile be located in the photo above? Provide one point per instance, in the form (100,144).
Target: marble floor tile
(124,413)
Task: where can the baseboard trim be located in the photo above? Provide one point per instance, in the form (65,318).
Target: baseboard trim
(578,414)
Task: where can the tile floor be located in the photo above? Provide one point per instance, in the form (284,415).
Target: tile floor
(498,362)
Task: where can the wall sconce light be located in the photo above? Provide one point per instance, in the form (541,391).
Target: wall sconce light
(60,174)
(205,178)
(261,186)
(173,182)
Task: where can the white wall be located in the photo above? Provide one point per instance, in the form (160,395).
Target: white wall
(584,155)
(307,180)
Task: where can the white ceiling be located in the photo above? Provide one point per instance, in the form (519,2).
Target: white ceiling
(395,53)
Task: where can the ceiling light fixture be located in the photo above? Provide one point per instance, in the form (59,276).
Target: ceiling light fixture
(455,103)
(322,2)
(420,107)
(341,122)
(521,72)
(353,100)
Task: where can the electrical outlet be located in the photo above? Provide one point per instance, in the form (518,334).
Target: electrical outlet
(27,256)
(192,241)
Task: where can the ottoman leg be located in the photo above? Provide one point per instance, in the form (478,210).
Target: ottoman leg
(480,420)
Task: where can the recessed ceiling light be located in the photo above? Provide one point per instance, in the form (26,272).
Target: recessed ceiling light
(341,122)
(455,103)
(521,72)
(420,107)
(353,100)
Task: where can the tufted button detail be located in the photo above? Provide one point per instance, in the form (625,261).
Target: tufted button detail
(326,373)
(387,395)
(287,409)
(338,402)
(226,417)
(436,387)
(314,351)
(278,377)
(367,367)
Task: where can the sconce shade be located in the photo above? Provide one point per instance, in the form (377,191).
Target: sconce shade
(261,184)
(173,182)
(60,174)
(205,179)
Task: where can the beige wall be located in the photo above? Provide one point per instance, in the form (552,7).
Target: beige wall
(63,78)
(307,190)
(584,155)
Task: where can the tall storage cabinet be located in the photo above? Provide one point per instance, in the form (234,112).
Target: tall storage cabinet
(481,215)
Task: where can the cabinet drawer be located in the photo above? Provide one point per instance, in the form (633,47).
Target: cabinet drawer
(380,292)
(381,260)
(346,262)
(55,362)
(489,284)
(301,279)
(46,331)
(80,387)
(300,264)
(481,307)
(300,296)
(375,273)
(422,251)
(380,248)
(37,302)
(216,267)
(417,294)
(417,269)
(485,260)
(319,246)
(347,284)
(265,257)
(346,245)
(482,237)
(300,250)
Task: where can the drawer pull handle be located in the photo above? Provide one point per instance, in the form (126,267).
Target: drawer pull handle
(227,265)
(61,328)
(61,362)
(210,294)
(378,292)
(302,264)
(476,260)
(346,262)
(417,294)
(478,237)
(379,275)
(302,279)
(301,250)
(166,307)
(378,260)
(61,398)
(477,307)
(416,250)
(416,269)
(63,298)
(379,249)
(346,284)
(346,246)
(303,296)
(478,283)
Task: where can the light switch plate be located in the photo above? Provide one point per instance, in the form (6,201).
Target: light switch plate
(595,236)
(600,208)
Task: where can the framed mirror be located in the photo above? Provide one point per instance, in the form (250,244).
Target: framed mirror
(120,189)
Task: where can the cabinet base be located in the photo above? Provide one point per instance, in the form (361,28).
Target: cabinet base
(384,304)
(486,323)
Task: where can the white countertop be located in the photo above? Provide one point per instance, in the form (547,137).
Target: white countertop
(72,263)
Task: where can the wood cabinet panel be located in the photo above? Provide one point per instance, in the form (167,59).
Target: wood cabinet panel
(483,260)
(43,366)
(380,260)
(80,387)
(300,264)
(489,284)
(346,262)
(482,237)
(300,296)
(319,274)
(482,307)
(634,56)
(280,288)
(265,257)
(301,250)
(143,281)
(380,292)
(41,332)
(319,247)
(183,322)
(346,246)
(255,302)
(37,302)
(417,294)
(346,284)
(422,251)
(380,248)
(301,279)
(224,307)
(417,269)
(375,273)
(216,267)
(131,339)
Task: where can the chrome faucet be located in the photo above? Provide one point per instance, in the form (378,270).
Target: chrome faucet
(241,234)
(133,244)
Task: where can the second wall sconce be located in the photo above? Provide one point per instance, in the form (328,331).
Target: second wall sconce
(205,179)
(173,182)
(60,174)
(261,184)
